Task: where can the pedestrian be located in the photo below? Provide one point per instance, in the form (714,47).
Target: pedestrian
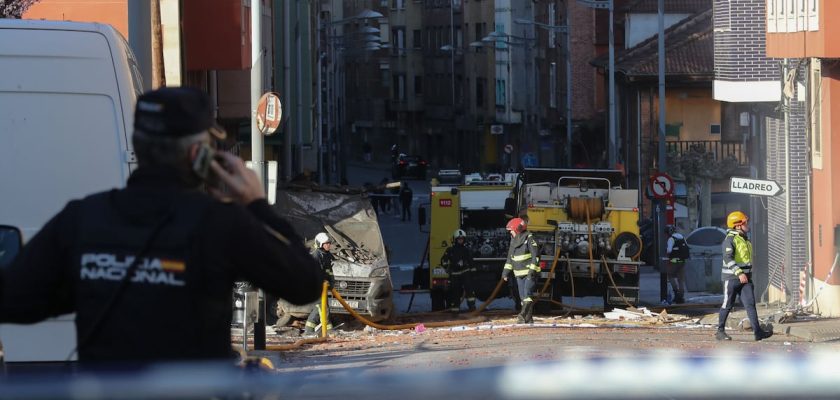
(737,276)
(523,260)
(406,196)
(367,150)
(148,270)
(325,259)
(395,153)
(394,199)
(678,253)
(458,262)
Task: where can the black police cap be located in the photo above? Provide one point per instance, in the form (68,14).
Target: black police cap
(175,112)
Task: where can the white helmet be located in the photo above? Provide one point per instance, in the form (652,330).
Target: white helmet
(322,238)
(459,233)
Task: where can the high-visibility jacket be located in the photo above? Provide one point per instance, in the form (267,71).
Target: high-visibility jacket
(737,255)
(523,255)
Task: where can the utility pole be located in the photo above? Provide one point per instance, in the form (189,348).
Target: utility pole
(611,149)
(660,225)
(257,158)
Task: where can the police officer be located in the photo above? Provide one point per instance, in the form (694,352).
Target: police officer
(737,275)
(458,262)
(325,259)
(523,260)
(148,269)
(678,253)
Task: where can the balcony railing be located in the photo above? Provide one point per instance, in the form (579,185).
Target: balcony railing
(719,150)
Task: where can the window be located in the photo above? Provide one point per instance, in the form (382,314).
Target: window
(552,84)
(480,83)
(385,71)
(815,113)
(400,4)
(418,85)
(418,39)
(771,15)
(398,44)
(813,15)
(552,20)
(399,87)
(714,129)
(501,95)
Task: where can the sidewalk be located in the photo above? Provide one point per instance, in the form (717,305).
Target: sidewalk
(707,305)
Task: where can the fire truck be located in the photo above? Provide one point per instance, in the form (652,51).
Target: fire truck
(475,204)
(588,225)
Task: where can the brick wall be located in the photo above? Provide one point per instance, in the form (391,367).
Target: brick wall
(583,50)
(740,45)
(776,229)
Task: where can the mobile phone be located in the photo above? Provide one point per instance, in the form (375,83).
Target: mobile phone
(201,164)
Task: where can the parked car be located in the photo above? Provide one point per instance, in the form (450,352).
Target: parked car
(409,166)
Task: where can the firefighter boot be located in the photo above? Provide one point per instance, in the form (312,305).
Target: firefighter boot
(520,319)
(679,298)
(528,311)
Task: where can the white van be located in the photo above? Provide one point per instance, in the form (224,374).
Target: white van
(67,96)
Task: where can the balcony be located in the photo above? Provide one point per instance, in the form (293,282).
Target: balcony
(711,150)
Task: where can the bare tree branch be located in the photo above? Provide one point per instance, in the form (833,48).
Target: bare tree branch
(15,8)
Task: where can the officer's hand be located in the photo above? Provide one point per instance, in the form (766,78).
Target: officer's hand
(504,277)
(243,184)
(743,278)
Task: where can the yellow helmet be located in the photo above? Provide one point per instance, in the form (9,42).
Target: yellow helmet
(736,218)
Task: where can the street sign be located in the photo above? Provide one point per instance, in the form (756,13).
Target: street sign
(661,185)
(755,187)
(497,129)
(269,113)
(508,148)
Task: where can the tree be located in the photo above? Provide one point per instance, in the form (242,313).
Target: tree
(698,165)
(14,8)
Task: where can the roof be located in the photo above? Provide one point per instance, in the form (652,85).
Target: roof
(671,6)
(689,52)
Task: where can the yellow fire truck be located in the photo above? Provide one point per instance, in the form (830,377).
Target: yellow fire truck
(476,205)
(586,223)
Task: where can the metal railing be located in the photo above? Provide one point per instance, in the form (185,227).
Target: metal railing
(719,150)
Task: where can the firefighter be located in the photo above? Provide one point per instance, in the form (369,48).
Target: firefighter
(737,276)
(678,253)
(148,269)
(459,265)
(523,260)
(325,259)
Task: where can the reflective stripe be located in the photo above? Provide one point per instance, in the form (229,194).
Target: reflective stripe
(520,273)
(311,324)
(725,293)
(508,266)
(731,264)
(522,257)
(534,267)
(527,300)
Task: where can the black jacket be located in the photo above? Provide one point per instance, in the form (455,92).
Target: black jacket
(523,256)
(325,260)
(178,304)
(457,259)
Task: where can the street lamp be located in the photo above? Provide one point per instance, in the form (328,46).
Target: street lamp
(608,4)
(562,29)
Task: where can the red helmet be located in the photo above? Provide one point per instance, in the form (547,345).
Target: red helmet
(517,225)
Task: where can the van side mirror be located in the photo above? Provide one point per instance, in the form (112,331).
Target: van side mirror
(510,206)
(11,241)
(421,215)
